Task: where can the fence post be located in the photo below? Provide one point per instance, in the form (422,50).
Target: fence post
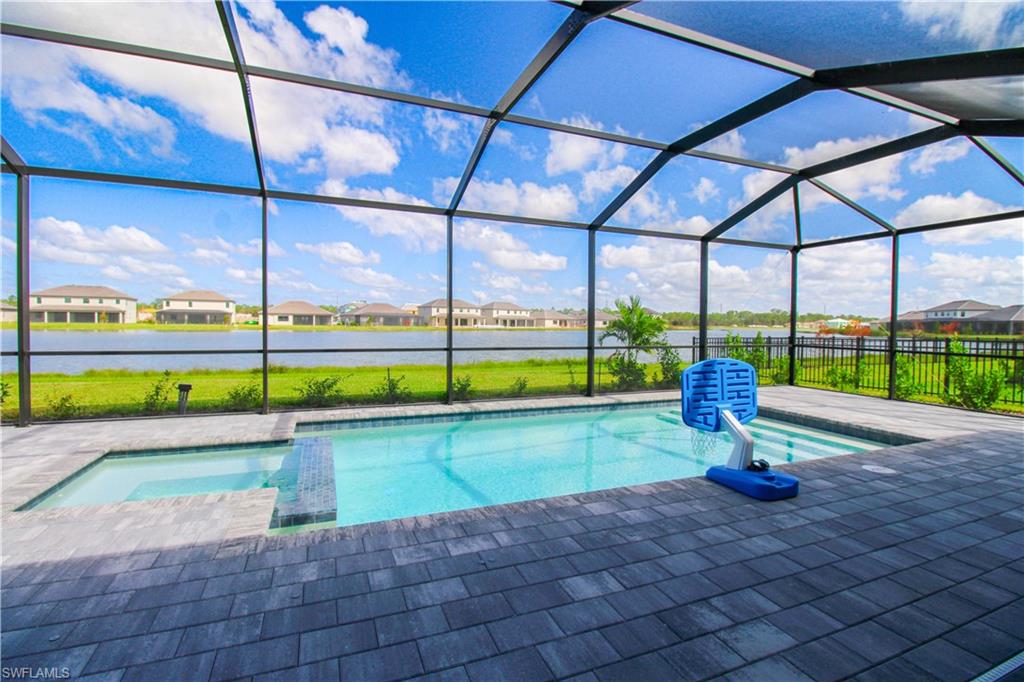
(858,357)
(945,373)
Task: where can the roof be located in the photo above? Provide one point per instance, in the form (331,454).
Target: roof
(84,290)
(297,308)
(598,315)
(198,295)
(963,304)
(193,311)
(442,303)
(8,306)
(549,315)
(504,305)
(380,309)
(1011,313)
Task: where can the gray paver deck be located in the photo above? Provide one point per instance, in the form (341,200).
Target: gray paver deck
(917,573)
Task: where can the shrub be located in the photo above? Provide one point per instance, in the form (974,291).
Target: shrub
(391,390)
(968,386)
(5,392)
(670,364)
(574,386)
(844,378)
(462,386)
(159,393)
(62,406)
(320,391)
(906,383)
(628,373)
(245,396)
(519,386)
(779,372)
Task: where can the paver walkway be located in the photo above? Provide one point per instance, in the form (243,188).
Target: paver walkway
(914,571)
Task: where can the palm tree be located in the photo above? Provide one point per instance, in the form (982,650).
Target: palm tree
(634,327)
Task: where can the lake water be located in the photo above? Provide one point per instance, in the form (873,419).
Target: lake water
(304,341)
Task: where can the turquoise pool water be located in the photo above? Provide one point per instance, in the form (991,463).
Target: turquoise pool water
(396,470)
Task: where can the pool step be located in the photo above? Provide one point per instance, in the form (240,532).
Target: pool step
(305,485)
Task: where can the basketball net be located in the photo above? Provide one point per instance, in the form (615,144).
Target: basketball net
(704,444)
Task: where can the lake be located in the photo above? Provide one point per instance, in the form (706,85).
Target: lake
(282,341)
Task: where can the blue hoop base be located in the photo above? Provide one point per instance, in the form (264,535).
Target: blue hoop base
(761,485)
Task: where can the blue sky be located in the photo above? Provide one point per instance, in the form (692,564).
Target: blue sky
(90,110)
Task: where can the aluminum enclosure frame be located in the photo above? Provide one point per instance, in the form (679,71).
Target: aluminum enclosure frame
(855,80)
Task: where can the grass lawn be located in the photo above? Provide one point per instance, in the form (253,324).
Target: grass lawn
(99,393)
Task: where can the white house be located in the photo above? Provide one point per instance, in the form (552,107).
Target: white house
(505,314)
(550,319)
(601,319)
(957,310)
(292,313)
(196,307)
(382,314)
(82,303)
(435,313)
(8,312)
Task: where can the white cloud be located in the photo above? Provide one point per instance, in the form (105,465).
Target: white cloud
(150,268)
(217,243)
(515,283)
(68,234)
(449,132)
(349,151)
(116,272)
(290,279)
(850,277)
(210,256)
(983,25)
(993,279)
(576,153)
(937,208)
(727,144)
(506,197)
(503,249)
(599,182)
(416,231)
(705,190)
(503,137)
(344,253)
(368,277)
(925,161)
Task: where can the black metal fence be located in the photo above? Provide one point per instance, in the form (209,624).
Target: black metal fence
(926,368)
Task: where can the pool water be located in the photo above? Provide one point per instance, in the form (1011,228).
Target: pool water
(399,470)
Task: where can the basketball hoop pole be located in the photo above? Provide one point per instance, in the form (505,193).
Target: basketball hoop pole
(742,442)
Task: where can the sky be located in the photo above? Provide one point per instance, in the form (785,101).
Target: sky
(82,109)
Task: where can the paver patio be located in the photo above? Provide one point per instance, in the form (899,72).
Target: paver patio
(913,570)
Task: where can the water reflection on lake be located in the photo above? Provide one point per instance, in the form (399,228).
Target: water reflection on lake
(244,339)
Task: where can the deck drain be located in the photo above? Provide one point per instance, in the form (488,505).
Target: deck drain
(876,469)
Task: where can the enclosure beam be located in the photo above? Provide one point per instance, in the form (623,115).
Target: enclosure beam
(754,206)
(702,343)
(449,320)
(591,308)
(894,294)
(880,151)
(986,64)
(842,198)
(794,255)
(998,158)
(265,307)
(24,296)
(785,95)
(963,222)
(846,240)
(1004,128)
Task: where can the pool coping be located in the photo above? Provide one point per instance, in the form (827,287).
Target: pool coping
(310,429)
(72,451)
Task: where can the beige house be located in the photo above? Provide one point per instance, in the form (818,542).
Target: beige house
(8,312)
(601,319)
(550,319)
(435,313)
(379,314)
(505,314)
(298,313)
(196,307)
(82,303)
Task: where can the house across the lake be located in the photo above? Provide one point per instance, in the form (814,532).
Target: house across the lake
(957,310)
(550,319)
(379,314)
(82,303)
(292,313)
(504,314)
(1008,320)
(435,313)
(196,307)
(8,312)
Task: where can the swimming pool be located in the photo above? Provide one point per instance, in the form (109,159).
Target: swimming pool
(386,470)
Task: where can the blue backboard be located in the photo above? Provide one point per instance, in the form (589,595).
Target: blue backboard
(714,385)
